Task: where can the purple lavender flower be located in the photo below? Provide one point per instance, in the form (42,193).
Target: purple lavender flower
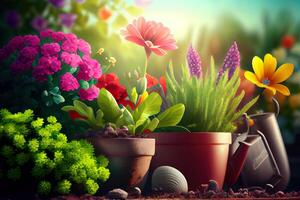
(39,23)
(57,3)
(12,18)
(67,20)
(194,62)
(231,61)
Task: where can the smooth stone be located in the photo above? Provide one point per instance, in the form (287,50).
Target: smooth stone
(135,192)
(117,194)
(169,180)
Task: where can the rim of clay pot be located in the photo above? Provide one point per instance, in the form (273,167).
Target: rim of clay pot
(194,138)
(262,115)
(125,146)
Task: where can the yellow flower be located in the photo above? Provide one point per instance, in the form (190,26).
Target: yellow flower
(112,61)
(100,51)
(266,76)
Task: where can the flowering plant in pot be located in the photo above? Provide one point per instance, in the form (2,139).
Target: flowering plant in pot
(123,114)
(116,131)
(212,103)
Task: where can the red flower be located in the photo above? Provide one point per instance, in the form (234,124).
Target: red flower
(288,41)
(112,84)
(152,81)
(74,115)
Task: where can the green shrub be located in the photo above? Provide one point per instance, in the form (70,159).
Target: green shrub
(54,163)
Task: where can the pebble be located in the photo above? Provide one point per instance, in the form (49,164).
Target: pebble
(210,193)
(203,188)
(117,194)
(230,191)
(135,192)
(212,185)
(257,193)
(279,194)
(269,188)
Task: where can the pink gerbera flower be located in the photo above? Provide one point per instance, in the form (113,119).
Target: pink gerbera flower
(153,36)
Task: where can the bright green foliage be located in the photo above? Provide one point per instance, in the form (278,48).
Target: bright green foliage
(91,186)
(209,106)
(44,188)
(64,187)
(144,117)
(54,162)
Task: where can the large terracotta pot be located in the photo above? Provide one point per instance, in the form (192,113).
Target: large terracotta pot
(129,159)
(200,156)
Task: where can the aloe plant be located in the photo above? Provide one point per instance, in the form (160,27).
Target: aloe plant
(209,105)
(145,116)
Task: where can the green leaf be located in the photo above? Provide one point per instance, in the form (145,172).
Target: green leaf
(99,119)
(126,118)
(55,91)
(84,84)
(58,99)
(171,116)
(45,93)
(109,106)
(99,115)
(141,85)
(68,108)
(150,106)
(153,124)
(83,109)
(134,95)
(131,129)
(73,70)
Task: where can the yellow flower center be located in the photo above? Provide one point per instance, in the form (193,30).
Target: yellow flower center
(266,82)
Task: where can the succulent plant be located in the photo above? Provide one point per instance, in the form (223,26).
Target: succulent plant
(145,116)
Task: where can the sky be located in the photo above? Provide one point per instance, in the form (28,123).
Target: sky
(179,15)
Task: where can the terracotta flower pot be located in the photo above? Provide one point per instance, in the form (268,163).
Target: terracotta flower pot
(129,159)
(200,156)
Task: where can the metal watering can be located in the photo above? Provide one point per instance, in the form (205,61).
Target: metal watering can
(267,160)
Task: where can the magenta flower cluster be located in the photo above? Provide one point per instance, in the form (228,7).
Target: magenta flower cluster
(64,57)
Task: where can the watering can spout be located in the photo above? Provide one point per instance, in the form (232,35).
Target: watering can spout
(237,160)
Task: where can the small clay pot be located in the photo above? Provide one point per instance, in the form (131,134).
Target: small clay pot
(129,160)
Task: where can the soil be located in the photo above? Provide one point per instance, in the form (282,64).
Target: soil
(110,131)
(243,193)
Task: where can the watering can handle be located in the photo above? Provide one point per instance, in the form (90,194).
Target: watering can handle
(277,107)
